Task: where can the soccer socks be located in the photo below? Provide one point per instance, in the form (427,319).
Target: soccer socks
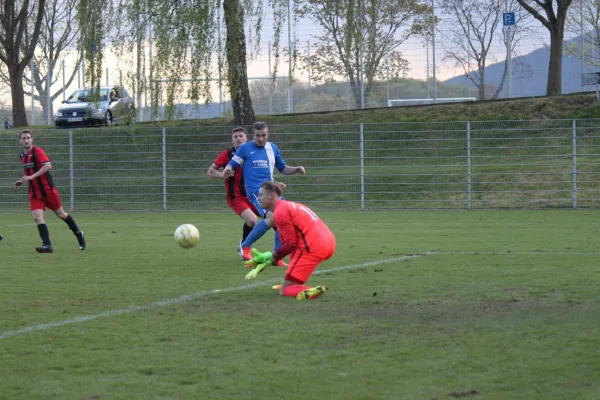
(277,240)
(246,231)
(294,290)
(44,234)
(259,229)
(71,223)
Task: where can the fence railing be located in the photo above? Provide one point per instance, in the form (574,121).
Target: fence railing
(450,165)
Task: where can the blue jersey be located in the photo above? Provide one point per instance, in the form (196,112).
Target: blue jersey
(257,163)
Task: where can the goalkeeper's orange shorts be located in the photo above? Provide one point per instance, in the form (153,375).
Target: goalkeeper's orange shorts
(302,263)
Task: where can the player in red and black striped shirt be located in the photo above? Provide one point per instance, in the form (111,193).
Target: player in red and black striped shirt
(234,186)
(42,192)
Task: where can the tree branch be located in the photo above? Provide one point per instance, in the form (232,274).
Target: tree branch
(535,13)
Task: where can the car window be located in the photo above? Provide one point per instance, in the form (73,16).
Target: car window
(87,95)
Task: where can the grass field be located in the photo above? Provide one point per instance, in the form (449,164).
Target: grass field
(422,305)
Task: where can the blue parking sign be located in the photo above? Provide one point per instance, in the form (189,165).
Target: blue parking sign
(508,18)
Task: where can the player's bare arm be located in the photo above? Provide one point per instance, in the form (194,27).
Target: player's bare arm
(227,172)
(45,168)
(288,170)
(214,172)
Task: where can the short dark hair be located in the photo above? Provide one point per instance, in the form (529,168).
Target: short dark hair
(238,129)
(272,187)
(25,131)
(258,126)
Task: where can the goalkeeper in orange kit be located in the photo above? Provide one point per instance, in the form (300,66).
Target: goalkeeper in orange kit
(303,235)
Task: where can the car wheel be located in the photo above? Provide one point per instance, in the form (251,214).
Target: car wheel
(108,121)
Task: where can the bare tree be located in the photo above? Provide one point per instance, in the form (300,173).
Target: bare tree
(555,23)
(583,20)
(477,22)
(469,40)
(359,34)
(17,46)
(57,36)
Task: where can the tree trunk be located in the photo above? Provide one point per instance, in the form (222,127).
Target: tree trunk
(502,80)
(48,109)
(243,112)
(481,86)
(41,98)
(355,88)
(16,90)
(554,87)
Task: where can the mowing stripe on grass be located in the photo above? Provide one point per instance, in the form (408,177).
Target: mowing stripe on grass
(188,297)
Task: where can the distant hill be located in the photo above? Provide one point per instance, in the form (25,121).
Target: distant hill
(530,73)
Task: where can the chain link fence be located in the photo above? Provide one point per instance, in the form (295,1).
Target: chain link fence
(450,165)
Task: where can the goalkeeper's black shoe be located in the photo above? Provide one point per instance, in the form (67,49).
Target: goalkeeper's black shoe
(81,240)
(45,248)
(1,237)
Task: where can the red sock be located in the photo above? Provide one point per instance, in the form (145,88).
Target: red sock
(293,290)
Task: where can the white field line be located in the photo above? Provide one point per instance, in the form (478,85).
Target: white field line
(516,253)
(188,297)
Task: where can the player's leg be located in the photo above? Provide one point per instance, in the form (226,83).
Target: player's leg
(301,267)
(246,211)
(246,229)
(55,205)
(300,291)
(37,211)
(259,229)
(256,233)
(250,220)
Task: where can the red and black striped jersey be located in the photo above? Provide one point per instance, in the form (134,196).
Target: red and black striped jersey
(234,186)
(32,162)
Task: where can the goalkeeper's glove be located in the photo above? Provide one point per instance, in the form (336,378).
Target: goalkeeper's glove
(259,258)
(257,270)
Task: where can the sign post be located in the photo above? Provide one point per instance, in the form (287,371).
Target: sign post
(509,25)
(592,78)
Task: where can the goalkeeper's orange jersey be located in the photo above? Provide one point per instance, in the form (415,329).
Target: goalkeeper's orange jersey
(300,228)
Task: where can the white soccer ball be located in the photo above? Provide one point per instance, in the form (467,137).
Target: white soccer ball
(187,236)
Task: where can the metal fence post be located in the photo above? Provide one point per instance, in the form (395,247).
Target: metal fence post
(164,168)
(71,184)
(575,164)
(468,165)
(362,168)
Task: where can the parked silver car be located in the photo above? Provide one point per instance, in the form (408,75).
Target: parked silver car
(87,107)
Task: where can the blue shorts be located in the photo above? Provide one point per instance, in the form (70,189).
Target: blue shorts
(253,197)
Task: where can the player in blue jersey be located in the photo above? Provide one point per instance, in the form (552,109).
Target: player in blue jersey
(258,159)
